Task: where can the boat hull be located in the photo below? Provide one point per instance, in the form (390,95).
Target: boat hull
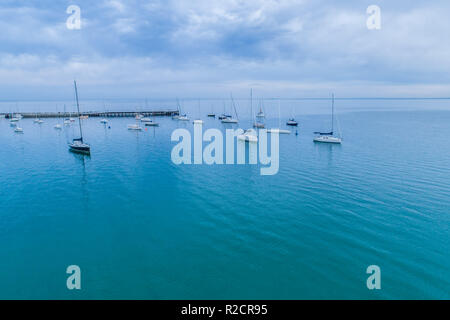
(327,139)
(80,149)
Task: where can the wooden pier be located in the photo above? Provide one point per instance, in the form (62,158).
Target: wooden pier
(108,114)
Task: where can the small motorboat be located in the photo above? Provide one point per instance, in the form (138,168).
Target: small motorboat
(14,119)
(104,121)
(151,124)
(291,122)
(211,115)
(58,126)
(18,130)
(67,122)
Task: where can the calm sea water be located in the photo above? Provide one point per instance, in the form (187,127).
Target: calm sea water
(141,227)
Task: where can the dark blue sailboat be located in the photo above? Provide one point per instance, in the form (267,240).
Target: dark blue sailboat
(78,145)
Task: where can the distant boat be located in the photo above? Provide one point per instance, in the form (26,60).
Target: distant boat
(260,114)
(134,127)
(256,124)
(248,136)
(78,144)
(151,124)
(211,115)
(139,117)
(279,130)
(67,121)
(291,122)
(104,121)
(14,119)
(58,126)
(230,119)
(83,117)
(177,116)
(328,137)
(18,130)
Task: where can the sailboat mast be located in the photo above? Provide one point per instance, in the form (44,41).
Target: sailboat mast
(332,112)
(251,102)
(78,108)
(234,106)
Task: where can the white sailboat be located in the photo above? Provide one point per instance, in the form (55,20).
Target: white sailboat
(249,135)
(261,112)
(256,124)
(198,120)
(328,137)
(279,130)
(230,119)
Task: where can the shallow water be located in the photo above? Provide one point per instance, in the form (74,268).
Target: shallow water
(141,227)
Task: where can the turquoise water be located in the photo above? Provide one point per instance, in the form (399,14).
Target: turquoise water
(141,227)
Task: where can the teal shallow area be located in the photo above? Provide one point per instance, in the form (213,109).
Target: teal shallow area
(141,227)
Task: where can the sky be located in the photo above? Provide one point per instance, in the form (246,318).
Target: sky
(209,48)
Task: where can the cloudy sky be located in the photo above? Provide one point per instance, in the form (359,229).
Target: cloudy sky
(207,48)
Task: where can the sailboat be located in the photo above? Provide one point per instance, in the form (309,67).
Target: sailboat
(198,120)
(249,136)
(57,126)
(147,120)
(256,124)
(67,121)
(261,112)
(230,119)
(328,137)
(279,130)
(212,114)
(78,144)
(18,130)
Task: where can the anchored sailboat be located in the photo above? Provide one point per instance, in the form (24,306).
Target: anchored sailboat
(230,119)
(78,144)
(279,130)
(328,137)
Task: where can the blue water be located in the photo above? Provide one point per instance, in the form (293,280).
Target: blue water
(141,227)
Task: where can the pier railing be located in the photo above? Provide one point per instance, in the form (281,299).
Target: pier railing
(107,114)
